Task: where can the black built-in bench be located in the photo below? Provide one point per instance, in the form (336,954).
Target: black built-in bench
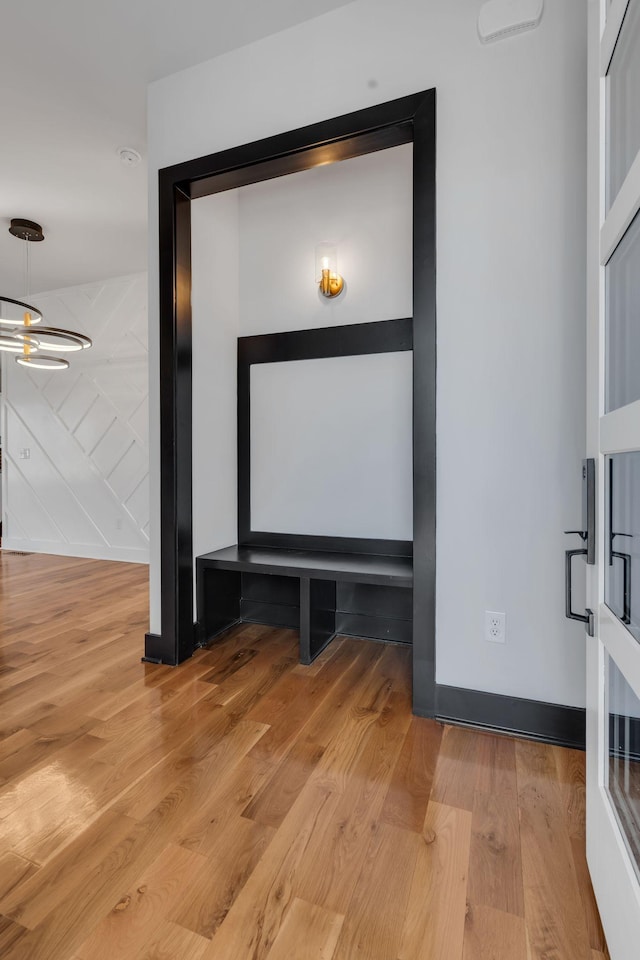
(322,583)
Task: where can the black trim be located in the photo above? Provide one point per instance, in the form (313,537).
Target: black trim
(348,340)
(374,612)
(272,614)
(153,646)
(365,131)
(424,408)
(317,617)
(374,628)
(218,598)
(271,589)
(358,339)
(177,638)
(624,736)
(547,722)
(355,545)
(389,124)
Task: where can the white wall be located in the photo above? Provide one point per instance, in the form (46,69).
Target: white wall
(83,490)
(511,225)
(331,446)
(253,262)
(215,323)
(365,206)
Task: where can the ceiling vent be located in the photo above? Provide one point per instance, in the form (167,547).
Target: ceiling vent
(499,19)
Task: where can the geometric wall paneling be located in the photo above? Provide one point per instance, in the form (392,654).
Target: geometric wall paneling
(87,432)
(97,419)
(139,421)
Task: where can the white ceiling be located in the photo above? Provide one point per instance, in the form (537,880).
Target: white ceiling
(73,77)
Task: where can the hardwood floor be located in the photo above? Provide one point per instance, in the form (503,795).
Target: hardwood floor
(242,807)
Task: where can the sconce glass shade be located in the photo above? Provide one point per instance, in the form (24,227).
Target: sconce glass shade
(329,281)
(326,259)
(15,313)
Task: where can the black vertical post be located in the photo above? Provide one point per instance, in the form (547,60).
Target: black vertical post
(176,640)
(424,407)
(317,617)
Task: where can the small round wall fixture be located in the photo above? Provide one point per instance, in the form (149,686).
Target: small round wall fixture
(20,316)
(129,157)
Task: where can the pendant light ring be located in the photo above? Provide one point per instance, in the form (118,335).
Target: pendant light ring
(59,340)
(35,315)
(19,314)
(41,361)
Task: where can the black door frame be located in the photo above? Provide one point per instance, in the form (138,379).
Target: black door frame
(409,119)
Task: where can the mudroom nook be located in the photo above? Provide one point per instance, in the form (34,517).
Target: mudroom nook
(298,373)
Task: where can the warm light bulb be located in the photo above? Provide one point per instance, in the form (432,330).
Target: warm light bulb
(327,275)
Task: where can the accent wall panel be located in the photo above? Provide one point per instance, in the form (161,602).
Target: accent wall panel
(82,488)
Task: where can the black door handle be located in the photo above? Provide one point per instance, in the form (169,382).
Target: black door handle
(587,616)
(626,573)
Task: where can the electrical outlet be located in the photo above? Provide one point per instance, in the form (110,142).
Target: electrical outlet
(495,626)
(119,523)
(25,453)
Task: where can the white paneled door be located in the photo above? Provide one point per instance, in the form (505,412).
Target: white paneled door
(613,407)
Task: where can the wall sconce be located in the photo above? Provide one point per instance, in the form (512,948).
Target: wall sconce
(327,276)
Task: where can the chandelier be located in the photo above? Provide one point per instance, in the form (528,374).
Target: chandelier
(21,330)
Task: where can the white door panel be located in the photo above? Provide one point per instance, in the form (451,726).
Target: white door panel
(613,437)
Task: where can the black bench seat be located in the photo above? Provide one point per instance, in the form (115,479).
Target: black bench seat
(352,567)
(218,576)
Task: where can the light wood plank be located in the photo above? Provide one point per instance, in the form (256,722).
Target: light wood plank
(410,788)
(593,923)
(341,839)
(493,935)
(553,907)
(254,921)
(30,901)
(372,928)
(570,765)
(460,762)
(496,766)
(308,933)
(495,867)
(214,890)
(272,803)
(435,919)
(135,918)
(171,942)
(13,871)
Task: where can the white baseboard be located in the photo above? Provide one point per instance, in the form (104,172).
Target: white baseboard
(88,551)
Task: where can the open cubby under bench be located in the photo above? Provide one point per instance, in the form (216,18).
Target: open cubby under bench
(319,593)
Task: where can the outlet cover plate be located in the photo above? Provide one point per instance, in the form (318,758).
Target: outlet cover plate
(495,626)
